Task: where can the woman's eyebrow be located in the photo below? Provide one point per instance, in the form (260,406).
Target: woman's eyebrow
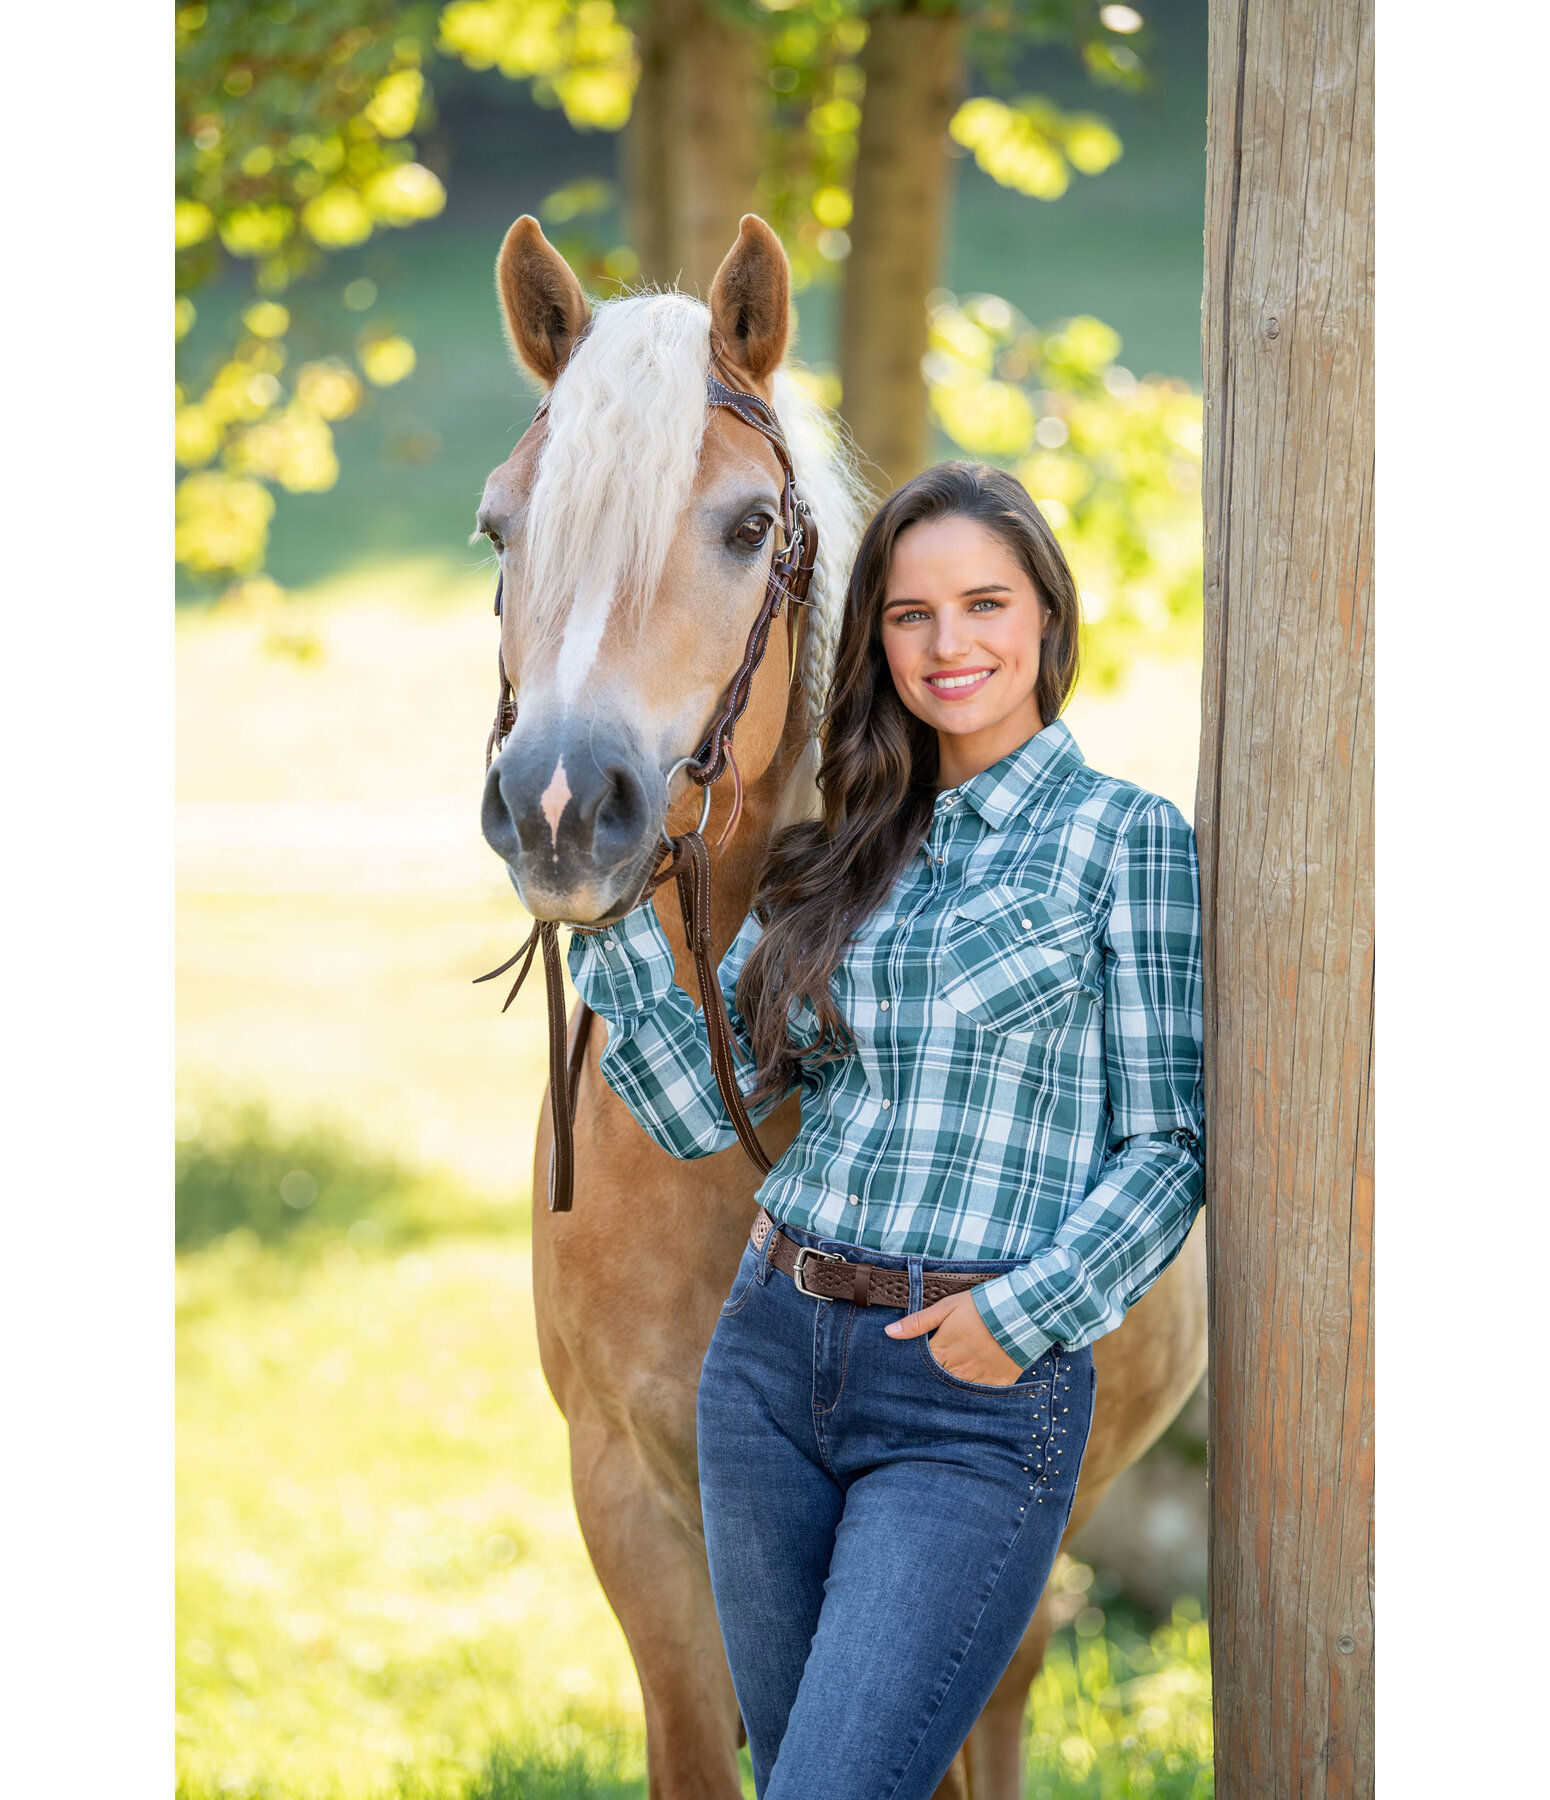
(985,587)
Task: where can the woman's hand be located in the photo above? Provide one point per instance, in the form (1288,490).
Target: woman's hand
(963,1343)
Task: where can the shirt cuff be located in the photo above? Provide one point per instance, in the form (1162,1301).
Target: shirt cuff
(625,969)
(1005,1312)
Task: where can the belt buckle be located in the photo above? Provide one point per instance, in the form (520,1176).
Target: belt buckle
(803,1252)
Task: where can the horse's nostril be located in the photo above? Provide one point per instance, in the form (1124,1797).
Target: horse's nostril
(622,808)
(496,818)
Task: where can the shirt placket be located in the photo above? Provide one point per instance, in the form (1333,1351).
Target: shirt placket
(894,970)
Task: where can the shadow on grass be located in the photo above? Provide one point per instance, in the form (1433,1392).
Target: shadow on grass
(512,1775)
(239,1169)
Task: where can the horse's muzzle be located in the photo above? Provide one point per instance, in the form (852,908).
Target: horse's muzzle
(573,812)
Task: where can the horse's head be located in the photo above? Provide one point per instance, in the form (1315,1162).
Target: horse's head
(635,532)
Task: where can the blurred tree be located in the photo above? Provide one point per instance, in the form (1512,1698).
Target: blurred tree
(685,74)
(837,119)
(914,72)
(293,126)
(1112,462)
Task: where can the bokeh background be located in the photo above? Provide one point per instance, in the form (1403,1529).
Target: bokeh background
(382,1587)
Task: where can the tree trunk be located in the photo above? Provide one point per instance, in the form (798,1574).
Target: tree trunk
(913,62)
(651,216)
(691,149)
(1285,824)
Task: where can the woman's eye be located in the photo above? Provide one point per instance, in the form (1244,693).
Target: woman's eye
(753,531)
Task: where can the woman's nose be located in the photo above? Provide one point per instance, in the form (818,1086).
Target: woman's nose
(948,640)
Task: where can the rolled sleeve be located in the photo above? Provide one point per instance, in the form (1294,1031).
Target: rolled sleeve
(657,1058)
(1133,1221)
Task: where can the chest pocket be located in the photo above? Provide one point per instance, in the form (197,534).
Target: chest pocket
(1015,962)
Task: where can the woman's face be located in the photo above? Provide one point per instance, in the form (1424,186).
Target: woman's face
(961,626)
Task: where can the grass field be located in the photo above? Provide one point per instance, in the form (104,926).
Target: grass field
(382,1588)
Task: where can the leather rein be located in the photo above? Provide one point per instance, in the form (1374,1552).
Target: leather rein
(688,860)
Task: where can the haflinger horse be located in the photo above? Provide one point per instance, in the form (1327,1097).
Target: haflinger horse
(634,529)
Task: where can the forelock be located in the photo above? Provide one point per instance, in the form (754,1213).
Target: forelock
(625,424)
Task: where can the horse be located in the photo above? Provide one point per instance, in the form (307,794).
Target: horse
(628,601)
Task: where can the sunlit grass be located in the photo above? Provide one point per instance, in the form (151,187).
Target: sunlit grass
(379,1562)
(382,1585)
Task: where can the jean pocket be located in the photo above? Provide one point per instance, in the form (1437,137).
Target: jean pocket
(742,1282)
(1027,1379)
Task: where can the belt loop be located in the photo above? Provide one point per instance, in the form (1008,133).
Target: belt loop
(916,1267)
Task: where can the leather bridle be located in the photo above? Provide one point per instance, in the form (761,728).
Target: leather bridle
(688,860)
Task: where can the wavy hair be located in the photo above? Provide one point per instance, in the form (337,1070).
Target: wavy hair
(878,773)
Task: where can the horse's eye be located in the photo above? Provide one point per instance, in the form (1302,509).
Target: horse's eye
(753,530)
(494,536)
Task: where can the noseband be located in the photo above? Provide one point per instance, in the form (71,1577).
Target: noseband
(688,860)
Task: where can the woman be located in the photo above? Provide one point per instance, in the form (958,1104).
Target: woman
(981,971)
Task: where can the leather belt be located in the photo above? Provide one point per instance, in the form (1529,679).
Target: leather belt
(824,1275)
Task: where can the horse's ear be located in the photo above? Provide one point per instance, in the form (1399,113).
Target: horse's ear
(750,299)
(545,308)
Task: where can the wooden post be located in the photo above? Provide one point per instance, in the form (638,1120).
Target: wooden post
(1285,825)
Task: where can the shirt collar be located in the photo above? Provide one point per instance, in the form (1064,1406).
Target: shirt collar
(1019,778)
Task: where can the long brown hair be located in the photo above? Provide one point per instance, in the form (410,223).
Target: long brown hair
(878,773)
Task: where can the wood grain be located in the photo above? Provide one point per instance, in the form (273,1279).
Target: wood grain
(1284,816)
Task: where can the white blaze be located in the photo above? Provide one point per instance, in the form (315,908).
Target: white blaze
(579,646)
(554,800)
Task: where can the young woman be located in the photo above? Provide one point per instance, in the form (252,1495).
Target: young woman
(981,971)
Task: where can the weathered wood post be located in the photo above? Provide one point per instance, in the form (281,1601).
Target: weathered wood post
(1285,824)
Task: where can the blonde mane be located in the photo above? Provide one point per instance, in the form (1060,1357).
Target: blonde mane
(625,425)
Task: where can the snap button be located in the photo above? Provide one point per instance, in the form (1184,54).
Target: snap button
(886,1105)
(941,859)
(855,1200)
(1027,924)
(883,1006)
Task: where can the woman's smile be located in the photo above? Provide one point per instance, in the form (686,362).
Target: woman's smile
(958,684)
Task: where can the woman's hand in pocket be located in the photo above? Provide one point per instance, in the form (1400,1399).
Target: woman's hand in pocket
(963,1343)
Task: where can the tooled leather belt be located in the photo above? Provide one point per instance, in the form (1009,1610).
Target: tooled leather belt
(823,1275)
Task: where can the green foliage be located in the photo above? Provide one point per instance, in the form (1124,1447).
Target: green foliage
(238,1170)
(576,54)
(1117,1716)
(1112,462)
(293,125)
(1032,145)
(809,53)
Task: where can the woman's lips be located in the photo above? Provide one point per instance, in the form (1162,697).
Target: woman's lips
(958,684)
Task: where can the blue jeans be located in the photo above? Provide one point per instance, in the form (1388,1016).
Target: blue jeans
(879,1532)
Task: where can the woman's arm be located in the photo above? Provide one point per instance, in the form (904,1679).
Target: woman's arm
(657,1059)
(1133,1222)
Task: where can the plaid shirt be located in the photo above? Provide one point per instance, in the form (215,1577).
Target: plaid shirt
(1026,1081)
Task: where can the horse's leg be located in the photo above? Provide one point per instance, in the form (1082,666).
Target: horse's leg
(955,1784)
(653,1572)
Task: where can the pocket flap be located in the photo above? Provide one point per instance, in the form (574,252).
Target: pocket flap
(1046,919)
(1015,961)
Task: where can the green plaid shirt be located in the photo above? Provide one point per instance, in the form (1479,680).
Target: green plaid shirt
(1026,1081)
